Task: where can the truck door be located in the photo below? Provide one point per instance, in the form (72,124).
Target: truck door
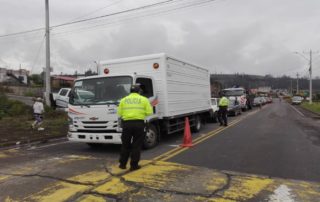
(148,90)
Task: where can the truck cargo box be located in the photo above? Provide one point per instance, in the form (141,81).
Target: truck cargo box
(181,87)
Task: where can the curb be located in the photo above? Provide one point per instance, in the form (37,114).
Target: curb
(317,115)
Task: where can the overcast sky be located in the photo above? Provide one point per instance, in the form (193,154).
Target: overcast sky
(225,36)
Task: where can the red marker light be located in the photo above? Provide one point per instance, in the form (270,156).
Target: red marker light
(155,65)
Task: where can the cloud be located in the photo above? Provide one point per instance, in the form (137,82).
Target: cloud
(257,37)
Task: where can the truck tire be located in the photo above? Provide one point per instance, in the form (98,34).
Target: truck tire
(197,124)
(151,138)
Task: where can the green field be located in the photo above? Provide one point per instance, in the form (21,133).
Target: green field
(315,107)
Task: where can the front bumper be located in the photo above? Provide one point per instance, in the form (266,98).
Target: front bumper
(108,138)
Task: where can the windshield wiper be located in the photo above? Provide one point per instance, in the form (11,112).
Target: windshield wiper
(112,102)
(86,105)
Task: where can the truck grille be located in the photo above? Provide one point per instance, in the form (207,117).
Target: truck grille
(91,126)
(96,122)
(97,131)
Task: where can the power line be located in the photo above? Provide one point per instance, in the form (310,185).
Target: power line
(130,18)
(89,19)
(99,9)
(38,53)
(113,14)
(22,32)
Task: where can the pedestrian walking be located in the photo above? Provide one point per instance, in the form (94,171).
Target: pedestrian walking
(132,110)
(38,110)
(223,110)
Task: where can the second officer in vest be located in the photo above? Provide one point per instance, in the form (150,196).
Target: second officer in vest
(132,110)
(223,110)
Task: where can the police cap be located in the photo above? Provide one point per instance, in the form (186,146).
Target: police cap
(135,89)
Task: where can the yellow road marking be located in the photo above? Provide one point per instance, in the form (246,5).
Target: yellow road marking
(7,153)
(91,198)
(178,150)
(60,191)
(244,187)
(91,177)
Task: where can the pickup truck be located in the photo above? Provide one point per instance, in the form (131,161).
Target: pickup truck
(61,99)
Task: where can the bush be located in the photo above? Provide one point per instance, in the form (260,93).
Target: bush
(29,94)
(52,113)
(12,107)
(17,108)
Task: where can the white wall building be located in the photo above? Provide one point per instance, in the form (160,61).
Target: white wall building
(8,74)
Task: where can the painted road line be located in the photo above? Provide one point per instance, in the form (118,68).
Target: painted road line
(48,145)
(179,148)
(297,110)
(8,153)
(198,141)
(176,151)
(167,181)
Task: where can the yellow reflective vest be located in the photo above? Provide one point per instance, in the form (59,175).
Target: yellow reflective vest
(224,102)
(134,107)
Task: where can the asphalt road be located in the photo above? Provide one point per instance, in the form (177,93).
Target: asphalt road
(24,99)
(278,141)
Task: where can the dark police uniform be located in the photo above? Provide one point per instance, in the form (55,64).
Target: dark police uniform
(132,110)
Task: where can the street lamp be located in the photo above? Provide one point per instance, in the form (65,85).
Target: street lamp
(310,73)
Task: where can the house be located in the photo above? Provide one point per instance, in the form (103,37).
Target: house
(14,76)
(60,81)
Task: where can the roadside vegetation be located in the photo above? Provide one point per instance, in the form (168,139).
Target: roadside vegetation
(315,106)
(16,119)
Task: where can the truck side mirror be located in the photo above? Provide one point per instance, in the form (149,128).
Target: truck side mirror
(71,96)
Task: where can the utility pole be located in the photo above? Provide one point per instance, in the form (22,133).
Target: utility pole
(310,80)
(48,81)
(297,84)
(310,72)
(97,66)
(291,88)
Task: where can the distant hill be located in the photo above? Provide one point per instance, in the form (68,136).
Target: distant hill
(255,81)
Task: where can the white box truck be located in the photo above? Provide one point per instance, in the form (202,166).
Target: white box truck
(176,89)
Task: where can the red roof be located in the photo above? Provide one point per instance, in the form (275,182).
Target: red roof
(65,78)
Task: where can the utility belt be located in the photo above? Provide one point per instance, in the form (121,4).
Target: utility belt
(133,121)
(136,122)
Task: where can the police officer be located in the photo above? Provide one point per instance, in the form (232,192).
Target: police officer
(132,110)
(223,110)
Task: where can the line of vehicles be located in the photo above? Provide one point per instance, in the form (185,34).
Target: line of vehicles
(175,88)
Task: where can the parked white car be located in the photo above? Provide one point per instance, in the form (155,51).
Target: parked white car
(215,108)
(296,100)
(62,98)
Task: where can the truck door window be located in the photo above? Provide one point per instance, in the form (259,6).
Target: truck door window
(63,92)
(146,86)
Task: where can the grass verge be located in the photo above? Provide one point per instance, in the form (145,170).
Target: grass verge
(314,107)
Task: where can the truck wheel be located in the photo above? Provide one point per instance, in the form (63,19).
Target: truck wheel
(197,124)
(151,138)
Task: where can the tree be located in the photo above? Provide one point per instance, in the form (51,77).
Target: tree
(89,73)
(37,79)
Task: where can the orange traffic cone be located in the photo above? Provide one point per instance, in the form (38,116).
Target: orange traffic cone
(187,139)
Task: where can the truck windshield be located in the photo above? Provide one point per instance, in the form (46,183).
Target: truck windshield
(100,91)
(233,92)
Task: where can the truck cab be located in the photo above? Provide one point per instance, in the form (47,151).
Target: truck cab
(93,108)
(238,95)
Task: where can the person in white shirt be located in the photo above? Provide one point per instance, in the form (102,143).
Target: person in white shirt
(38,109)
